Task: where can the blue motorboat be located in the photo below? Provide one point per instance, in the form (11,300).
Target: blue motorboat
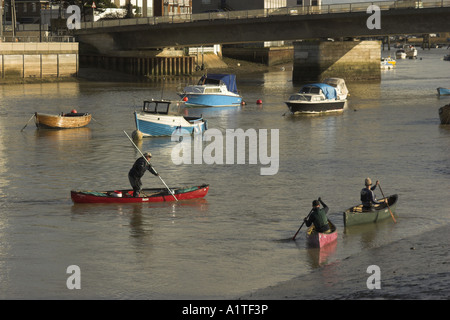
(443,91)
(212,90)
(163,117)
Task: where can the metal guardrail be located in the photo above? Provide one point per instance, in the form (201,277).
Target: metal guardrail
(264,13)
(37,39)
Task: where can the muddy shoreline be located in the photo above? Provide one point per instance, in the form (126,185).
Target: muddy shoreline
(418,268)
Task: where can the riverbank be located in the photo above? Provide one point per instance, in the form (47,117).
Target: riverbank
(415,268)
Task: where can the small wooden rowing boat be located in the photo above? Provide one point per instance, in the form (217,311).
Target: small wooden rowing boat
(321,239)
(356,215)
(444,114)
(147,195)
(62,121)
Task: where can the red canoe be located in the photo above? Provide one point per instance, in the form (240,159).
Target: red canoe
(319,239)
(147,195)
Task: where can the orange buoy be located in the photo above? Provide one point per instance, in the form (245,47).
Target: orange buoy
(259,101)
(73,111)
(185,99)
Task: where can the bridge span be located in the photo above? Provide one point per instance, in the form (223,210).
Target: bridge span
(293,23)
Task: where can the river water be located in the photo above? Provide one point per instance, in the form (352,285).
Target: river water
(236,240)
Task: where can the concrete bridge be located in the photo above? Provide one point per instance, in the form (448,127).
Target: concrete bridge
(294,23)
(124,44)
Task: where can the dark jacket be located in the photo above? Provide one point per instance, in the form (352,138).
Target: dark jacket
(368,197)
(319,218)
(139,168)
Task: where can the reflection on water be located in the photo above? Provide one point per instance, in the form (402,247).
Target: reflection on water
(64,135)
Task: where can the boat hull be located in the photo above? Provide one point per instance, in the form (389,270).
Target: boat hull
(211,100)
(322,107)
(319,239)
(147,195)
(66,121)
(443,91)
(154,125)
(444,114)
(355,216)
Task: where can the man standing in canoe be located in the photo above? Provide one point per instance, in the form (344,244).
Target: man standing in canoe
(137,172)
(367,196)
(318,216)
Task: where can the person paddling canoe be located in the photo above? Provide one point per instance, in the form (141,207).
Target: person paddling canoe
(140,166)
(368,198)
(318,216)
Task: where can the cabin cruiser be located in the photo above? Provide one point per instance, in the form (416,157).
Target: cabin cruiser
(319,97)
(212,90)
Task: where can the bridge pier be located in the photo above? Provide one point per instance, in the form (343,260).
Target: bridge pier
(350,60)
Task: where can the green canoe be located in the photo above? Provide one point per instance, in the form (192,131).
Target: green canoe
(355,215)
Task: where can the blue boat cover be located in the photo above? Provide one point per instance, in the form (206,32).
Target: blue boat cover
(328,91)
(228,79)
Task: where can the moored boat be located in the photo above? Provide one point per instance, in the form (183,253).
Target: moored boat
(400,54)
(147,195)
(317,98)
(212,90)
(356,215)
(321,239)
(410,50)
(443,91)
(444,114)
(389,61)
(62,121)
(162,118)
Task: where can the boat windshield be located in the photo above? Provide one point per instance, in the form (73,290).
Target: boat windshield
(300,97)
(216,82)
(194,89)
(308,89)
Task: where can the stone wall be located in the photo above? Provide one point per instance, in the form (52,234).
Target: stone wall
(38,60)
(350,60)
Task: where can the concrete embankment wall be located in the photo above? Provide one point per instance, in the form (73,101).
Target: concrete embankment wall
(38,60)
(148,66)
(350,60)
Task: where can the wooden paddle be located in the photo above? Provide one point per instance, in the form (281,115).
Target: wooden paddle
(171,192)
(293,238)
(387,202)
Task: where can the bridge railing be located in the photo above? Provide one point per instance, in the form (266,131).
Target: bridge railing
(264,13)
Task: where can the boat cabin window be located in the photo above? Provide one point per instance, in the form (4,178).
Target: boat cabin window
(159,107)
(317,98)
(213,90)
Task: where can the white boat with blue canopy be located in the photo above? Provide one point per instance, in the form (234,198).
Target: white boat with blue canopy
(163,117)
(212,90)
(319,97)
